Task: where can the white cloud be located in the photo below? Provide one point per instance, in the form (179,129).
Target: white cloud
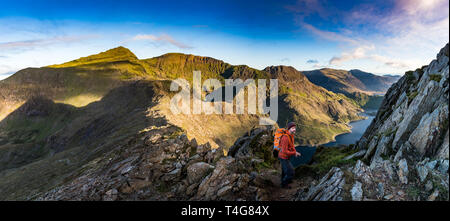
(406,37)
(362,53)
(357,53)
(161,38)
(328,35)
(30,44)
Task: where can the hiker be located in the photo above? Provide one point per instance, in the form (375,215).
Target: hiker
(287,150)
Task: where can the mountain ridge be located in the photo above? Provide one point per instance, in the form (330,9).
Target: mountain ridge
(88,79)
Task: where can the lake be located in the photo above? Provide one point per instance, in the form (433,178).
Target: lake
(358,128)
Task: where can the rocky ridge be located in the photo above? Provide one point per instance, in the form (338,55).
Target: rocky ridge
(405,149)
(161,163)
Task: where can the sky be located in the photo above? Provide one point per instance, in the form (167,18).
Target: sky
(381,37)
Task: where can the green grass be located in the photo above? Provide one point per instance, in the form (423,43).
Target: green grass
(411,96)
(374,102)
(26,137)
(324,159)
(435,77)
(389,132)
(413,192)
(115,54)
(410,77)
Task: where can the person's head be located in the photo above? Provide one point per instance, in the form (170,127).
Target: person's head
(291,127)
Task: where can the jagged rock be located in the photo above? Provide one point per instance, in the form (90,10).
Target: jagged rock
(175,172)
(256,137)
(428,128)
(420,105)
(434,195)
(422,171)
(219,178)
(153,139)
(443,150)
(431,165)
(356,192)
(384,169)
(362,172)
(380,190)
(373,143)
(429,186)
(424,168)
(355,155)
(190,190)
(111,195)
(382,147)
(388,197)
(203,149)
(403,171)
(262,195)
(413,116)
(197,171)
(214,155)
(330,187)
(224,190)
(443,166)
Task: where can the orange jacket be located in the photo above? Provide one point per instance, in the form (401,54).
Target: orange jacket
(287,146)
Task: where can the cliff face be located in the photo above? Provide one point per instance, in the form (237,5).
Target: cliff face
(404,152)
(413,115)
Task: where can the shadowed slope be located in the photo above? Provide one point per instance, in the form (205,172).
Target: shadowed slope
(58,142)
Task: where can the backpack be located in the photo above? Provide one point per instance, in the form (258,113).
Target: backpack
(276,142)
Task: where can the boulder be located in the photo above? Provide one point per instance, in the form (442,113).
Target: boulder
(356,192)
(330,187)
(111,195)
(198,171)
(402,171)
(355,155)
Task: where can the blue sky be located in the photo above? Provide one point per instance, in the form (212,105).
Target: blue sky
(382,37)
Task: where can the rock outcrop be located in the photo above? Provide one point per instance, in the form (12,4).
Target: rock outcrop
(406,146)
(161,163)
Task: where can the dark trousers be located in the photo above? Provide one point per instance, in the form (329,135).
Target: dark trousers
(287,172)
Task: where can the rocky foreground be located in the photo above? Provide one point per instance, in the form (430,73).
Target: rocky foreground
(154,166)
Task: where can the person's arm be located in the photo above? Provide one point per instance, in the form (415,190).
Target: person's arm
(284,142)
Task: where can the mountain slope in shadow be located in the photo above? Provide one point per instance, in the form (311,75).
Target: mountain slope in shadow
(43,142)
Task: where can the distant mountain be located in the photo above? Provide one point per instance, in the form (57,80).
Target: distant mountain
(392,75)
(347,82)
(313,107)
(374,82)
(363,87)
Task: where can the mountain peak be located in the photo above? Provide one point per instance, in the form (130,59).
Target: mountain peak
(120,51)
(112,55)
